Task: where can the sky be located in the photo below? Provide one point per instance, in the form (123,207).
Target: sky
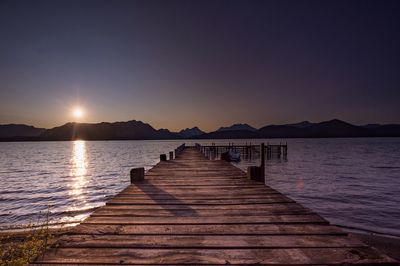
(178,64)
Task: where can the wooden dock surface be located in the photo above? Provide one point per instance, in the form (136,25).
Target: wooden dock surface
(195,211)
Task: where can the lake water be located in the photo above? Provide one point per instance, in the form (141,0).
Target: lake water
(351,182)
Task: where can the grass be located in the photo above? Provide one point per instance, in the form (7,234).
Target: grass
(21,249)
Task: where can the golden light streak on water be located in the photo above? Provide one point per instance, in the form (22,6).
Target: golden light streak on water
(78,171)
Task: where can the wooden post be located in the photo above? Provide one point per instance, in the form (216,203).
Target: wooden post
(171,155)
(280,150)
(137,175)
(285,152)
(250,150)
(163,157)
(254,173)
(262,156)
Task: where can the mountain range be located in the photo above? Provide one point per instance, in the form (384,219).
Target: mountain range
(135,130)
(190,132)
(18,130)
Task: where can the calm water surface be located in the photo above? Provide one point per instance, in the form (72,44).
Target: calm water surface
(351,182)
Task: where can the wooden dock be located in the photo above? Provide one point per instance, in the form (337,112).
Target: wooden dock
(248,151)
(191,210)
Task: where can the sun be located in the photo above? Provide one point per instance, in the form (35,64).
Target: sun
(77,112)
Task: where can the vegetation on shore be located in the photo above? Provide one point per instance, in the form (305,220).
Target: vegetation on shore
(21,249)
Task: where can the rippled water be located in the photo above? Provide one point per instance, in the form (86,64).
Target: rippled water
(351,182)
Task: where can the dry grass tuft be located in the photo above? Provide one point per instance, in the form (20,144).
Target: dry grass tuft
(21,249)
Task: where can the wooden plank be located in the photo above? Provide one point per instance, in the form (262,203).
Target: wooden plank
(267,208)
(231,241)
(175,201)
(205,184)
(203,196)
(250,206)
(302,218)
(202,213)
(171,197)
(299,256)
(198,190)
(216,190)
(210,229)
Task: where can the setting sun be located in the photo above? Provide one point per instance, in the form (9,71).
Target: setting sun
(77,112)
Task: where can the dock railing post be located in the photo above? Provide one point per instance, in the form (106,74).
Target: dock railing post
(137,175)
(171,155)
(262,158)
(163,157)
(250,150)
(285,152)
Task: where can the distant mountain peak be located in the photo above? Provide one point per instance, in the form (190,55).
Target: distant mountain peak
(335,120)
(190,132)
(302,124)
(238,127)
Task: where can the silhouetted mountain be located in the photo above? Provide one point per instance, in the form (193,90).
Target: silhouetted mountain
(190,132)
(229,134)
(371,126)
(283,131)
(326,129)
(378,130)
(107,131)
(138,130)
(392,130)
(238,127)
(303,124)
(335,128)
(18,130)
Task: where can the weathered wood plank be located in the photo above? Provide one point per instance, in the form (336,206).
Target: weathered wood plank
(302,218)
(250,206)
(201,191)
(282,256)
(130,201)
(203,196)
(189,213)
(211,229)
(267,208)
(170,197)
(198,184)
(231,241)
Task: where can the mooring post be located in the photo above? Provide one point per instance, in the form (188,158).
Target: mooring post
(137,175)
(163,157)
(171,155)
(257,173)
(254,173)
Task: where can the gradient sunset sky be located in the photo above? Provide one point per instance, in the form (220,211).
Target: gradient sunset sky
(178,64)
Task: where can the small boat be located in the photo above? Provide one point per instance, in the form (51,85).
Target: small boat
(231,156)
(234,156)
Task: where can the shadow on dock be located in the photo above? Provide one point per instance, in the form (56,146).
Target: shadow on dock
(184,209)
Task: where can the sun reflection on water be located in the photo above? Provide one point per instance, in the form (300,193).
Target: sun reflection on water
(78,169)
